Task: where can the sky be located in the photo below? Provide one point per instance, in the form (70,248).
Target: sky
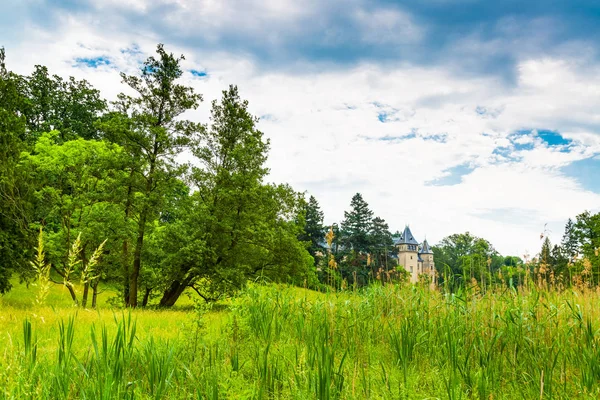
(447,115)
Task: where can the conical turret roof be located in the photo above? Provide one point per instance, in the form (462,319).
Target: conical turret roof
(425,249)
(407,237)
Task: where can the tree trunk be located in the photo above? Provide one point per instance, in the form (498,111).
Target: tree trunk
(137,256)
(146,297)
(137,259)
(86,290)
(66,284)
(126,272)
(69,286)
(95,293)
(125,255)
(172,294)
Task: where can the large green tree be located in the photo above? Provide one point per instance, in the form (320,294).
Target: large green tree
(569,243)
(149,127)
(235,227)
(14,207)
(587,232)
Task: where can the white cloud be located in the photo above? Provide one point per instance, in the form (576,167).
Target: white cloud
(324,128)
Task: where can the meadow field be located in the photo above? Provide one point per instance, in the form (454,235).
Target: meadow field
(280,342)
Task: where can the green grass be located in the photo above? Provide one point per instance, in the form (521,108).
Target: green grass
(23,296)
(394,342)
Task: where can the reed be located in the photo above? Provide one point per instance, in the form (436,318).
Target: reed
(279,342)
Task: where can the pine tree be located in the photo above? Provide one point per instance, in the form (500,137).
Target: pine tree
(314,232)
(545,253)
(380,240)
(357,225)
(569,241)
(545,262)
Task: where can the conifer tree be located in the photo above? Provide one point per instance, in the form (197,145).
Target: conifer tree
(569,241)
(380,240)
(314,232)
(356,225)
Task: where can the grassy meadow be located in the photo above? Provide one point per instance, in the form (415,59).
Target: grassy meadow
(279,342)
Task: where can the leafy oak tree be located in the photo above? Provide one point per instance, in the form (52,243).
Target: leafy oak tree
(461,257)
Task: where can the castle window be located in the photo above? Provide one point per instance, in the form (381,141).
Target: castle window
(411,269)
(411,257)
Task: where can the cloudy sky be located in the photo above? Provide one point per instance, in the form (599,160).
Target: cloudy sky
(448,115)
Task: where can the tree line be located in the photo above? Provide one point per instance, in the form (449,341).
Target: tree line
(362,251)
(131,194)
(575,261)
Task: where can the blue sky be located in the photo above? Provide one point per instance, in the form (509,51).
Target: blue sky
(448,115)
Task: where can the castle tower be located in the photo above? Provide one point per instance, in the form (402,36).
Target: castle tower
(428,266)
(408,254)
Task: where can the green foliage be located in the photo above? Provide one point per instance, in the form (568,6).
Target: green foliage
(77,192)
(70,107)
(459,258)
(570,246)
(576,261)
(587,233)
(14,205)
(380,243)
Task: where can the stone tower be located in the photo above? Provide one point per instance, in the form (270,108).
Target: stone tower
(408,254)
(428,266)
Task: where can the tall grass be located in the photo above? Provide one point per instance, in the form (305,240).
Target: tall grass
(274,342)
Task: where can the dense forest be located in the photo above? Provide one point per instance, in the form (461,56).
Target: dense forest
(128,193)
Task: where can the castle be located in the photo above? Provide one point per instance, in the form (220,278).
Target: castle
(416,259)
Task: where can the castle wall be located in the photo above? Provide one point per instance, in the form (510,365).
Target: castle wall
(429,267)
(410,261)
